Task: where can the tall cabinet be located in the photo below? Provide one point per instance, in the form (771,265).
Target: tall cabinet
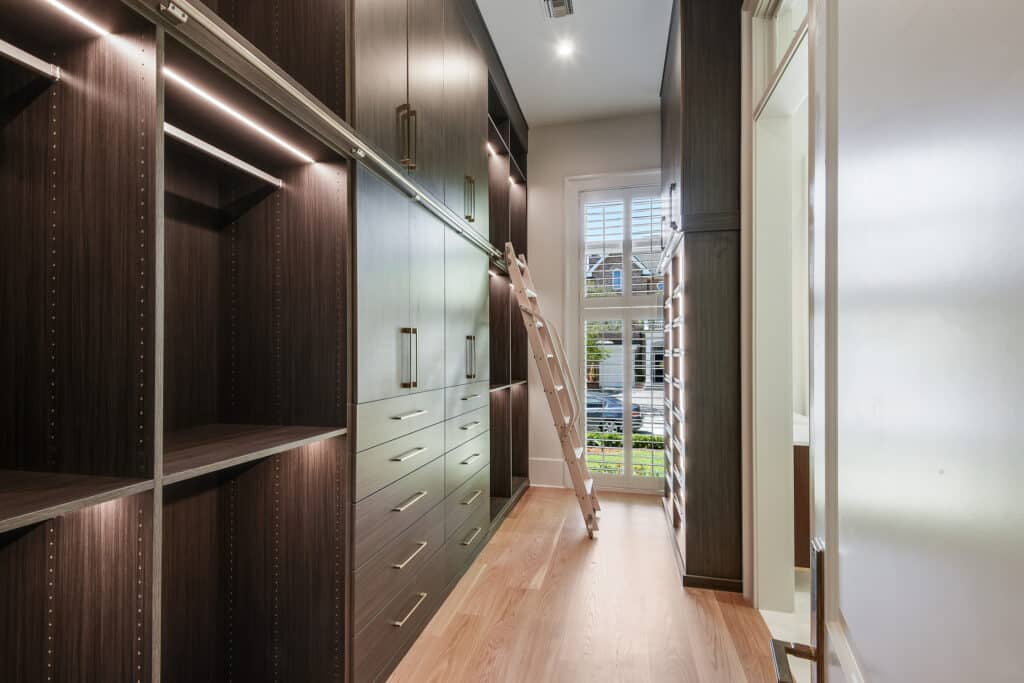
(701,194)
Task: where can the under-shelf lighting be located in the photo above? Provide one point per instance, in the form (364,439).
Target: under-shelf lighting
(177,78)
(81,19)
(490,150)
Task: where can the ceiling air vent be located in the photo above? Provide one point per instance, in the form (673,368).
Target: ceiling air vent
(558,8)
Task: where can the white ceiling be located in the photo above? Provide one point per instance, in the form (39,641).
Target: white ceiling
(620,50)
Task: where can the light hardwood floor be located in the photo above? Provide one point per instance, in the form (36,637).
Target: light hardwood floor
(543,602)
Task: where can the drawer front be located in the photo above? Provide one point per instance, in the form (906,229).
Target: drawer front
(393,568)
(459,430)
(461,400)
(387,513)
(391,418)
(381,465)
(467,500)
(463,462)
(466,542)
(401,620)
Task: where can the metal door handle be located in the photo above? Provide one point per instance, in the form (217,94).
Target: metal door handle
(409,503)
(470,459)
(780,657)
(476,532)
(414,150)
(401,622)
(401,565)
(470,356)
(408,455)
(470,397)
(414,357)
(465,200)
(471,426)
(781,649)
(409,416)
(403,123)
(476,494)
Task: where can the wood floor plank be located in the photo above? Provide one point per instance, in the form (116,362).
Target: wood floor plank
(543,602)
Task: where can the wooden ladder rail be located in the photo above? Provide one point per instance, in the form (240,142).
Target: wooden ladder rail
(559,386)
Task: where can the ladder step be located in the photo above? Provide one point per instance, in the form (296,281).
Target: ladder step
(588,486)
(578,452)
(520,263)
(549,356)
(531,294)
(559,387)
(539,324)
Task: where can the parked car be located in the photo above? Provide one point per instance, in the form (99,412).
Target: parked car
(604,413)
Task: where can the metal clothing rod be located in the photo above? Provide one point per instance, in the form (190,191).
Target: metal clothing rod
(29,61)
(220,155)
(356,145)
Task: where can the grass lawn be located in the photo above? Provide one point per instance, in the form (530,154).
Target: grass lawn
(646,462)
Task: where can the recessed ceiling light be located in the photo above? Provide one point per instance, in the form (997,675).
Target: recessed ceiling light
(174,76)
(565,48)
(81,19)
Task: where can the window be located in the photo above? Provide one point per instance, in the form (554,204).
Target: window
(621,307)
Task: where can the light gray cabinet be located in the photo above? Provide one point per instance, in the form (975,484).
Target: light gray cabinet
(399,293)
(467,317)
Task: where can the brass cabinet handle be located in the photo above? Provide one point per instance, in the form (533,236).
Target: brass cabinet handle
(414,146)
(414,357)
(401,622)
(409,416)
(403,123)
(476,494)
(470,397)
(419,549)
(470,459)
(471,426)
(472,537)
(417,497)
(409,455)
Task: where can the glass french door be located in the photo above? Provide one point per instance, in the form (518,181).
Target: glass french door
(623,337)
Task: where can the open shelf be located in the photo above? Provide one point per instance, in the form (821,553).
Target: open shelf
(253,577)
(202,450)
(255,307)
(31,497)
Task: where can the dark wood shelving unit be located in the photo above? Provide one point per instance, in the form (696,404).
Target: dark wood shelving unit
(27,498)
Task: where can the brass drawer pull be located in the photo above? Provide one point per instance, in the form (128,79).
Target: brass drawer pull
(470,426)
(476,494)
(409,416)
(470,459)
(401,622)
(472,537)
(409,503)
(409,454)
(470,397)
(401,565)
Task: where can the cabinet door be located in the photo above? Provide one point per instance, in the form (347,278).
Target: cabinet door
(427,285)
(380,50)
(459,316)
(382,289)
(475,135)
(456,53)
(427,94)
(480,288)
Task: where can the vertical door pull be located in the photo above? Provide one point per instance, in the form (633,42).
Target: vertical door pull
(414,148)
(414,357)
(465,200)
(403,129)
(781,649)
(470,356)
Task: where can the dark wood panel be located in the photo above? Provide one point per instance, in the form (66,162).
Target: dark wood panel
(519,410)
(500,329)
(517,216)
(75,603)
(501,444)
(458,105)
(32,497)
(380,51)
(82,382)
(802,506)
(253,578)
(712,396)
(710,143)
(427,94)
(498,169)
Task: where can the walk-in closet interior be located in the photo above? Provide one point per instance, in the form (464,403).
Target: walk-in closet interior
(266,387)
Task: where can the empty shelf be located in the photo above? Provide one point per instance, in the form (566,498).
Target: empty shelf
(29,61)
(219,154)
(30,497)
(201,450)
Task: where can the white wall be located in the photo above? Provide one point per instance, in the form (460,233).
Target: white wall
(558,152)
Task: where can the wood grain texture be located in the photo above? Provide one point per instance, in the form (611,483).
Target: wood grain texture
(498,171)
(75,608)
(380,73)
(501,444)
(517,235)
(254,570)
(426,93)
(543,602)
(712,405)
(519,430)
(76,264)
(501,329)
(802,506)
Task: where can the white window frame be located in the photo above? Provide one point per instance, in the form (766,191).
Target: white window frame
(625,308)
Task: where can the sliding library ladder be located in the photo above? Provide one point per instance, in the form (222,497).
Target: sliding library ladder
(559,385)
